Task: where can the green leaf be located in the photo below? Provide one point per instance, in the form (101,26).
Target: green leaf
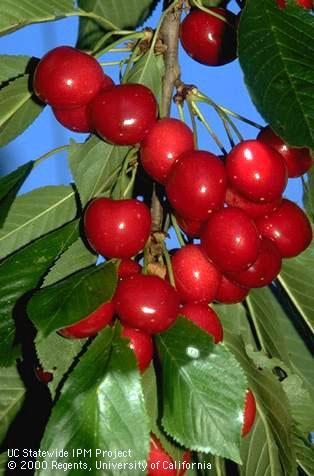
(296,278)
(75,258)
(101,406)
(259,457)
(300,402)
(35,214)
(19,274)
(308,194)
(69,301)
(17,14)
(18,108)
(56,355)
(305,454)
(121,15)
(95,166)
(276,54)
(9,186)
(3,463)
(203,391)
(208,3)
(238,322)
(11,398)
(13,66)
(149,70)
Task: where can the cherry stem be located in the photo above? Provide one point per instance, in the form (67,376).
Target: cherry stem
(130,62)
(211,12)
(50,153)
(168,264)
(177,230)
(194,125)
(110,63)
(181,111)
(209,129)
(131,36)
(241,118)
(130,186)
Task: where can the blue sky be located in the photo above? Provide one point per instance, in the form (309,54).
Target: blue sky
(224,84)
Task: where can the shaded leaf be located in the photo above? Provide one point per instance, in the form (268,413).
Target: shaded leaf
(301,404)
(308,194)
(203,391)
(71,300)
(11,398)
(19,274)
(35,214)
(305,454)
(95,166)
(276,54)
(99,405)
(3,463)
(237,320)
(15,15)
(13,66)
(18,108)
(122,15)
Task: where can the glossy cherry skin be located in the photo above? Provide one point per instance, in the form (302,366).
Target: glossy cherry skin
(302,3)
(298,161)
(256,171)
(265,269)
(89,326)
(229,292)
(78,119)
(128,267)
(253,209)
(249,412)
(67,78)
(289,228)
(192,228)
(207,39)
(141,344)
(204,317)
(196,278)
(148,303)
(196,185)
(231,240)
(124,114)
(117,228)
(164,143)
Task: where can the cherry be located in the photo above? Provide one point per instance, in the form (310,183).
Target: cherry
(196,185)
(264,270)
(204,317)
(288,227)
(196,278)
(255,210)
(249,412)
(301,3)
(192,228)
(124,114)
(117,228)
(128,267)
(164,143)
(208,39)
(148,303)
(256,171)
(78,119)
(231,240)
(141,344)
(298,161)
(89,326)
(43,376)
(230,293)
(67,78)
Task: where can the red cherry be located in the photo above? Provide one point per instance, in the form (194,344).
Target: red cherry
(249,412)
(90,325)
(128,267)
(167,139)
(256,171)
(196,185)
(231,240)
(43,376)
(159,462)
(141,344)
(230,293)
(147,303)
(196,278)
(67,78)
(117,228)
(301,3)
(298,161)
(289,228)
(204,317)
(207,39)
(264,270)
(253,209)
(192,228)
(124,114)
(78,119)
